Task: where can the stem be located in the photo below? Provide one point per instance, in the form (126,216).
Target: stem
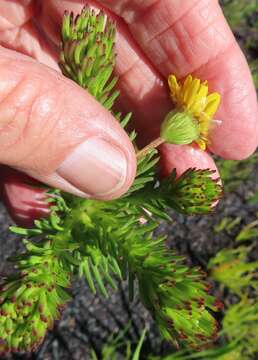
(152,145)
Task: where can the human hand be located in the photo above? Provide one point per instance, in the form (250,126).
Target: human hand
(47,116)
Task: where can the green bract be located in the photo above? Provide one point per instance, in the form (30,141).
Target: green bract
(104,241)
(179,128)
(88,55)
(32,301)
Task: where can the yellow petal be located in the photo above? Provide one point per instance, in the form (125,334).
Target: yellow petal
(193,91)
(204,127)
(213,101)
(202,144)
(203,92)
(186,88)
(200,100)
(187,83)
(173,84)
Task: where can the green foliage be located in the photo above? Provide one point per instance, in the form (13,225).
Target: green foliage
(236,11)
(231,268)
(111,349)
(32,300)
(137,352)
(234,173)
(227,352)
(241,324)
(194,192)
(175,295)
(88,55)
(239,333)
(254,198)
(248,232)
(102,241)
(145,172)
(227,224)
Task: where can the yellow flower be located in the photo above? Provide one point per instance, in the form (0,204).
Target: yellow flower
(192,96)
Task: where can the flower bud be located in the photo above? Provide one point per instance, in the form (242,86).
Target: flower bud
(179,128)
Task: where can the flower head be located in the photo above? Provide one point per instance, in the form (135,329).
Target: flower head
(192,97)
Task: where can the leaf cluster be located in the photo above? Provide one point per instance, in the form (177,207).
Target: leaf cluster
(234,173)
(233,269)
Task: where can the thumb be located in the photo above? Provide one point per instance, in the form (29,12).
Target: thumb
(54,131)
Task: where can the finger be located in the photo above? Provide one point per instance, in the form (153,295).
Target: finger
(23,198)
(192,36)
(15,13)
(139,81)
(140,84)
(18,31)
(57,133)
(184,157)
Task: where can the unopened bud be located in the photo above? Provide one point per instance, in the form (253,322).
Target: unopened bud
(179,128)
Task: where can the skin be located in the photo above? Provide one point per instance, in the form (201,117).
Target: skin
(45,117)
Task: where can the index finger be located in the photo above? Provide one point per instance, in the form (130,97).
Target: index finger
(192,36)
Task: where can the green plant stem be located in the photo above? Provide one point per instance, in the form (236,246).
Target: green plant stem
(152,145)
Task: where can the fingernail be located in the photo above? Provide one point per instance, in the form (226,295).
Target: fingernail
(95,167)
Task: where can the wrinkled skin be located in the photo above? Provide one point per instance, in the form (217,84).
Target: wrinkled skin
(44,117)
